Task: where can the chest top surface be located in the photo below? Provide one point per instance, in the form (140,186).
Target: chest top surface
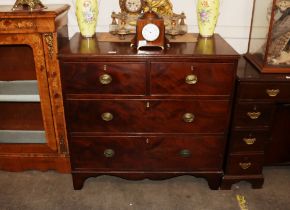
(86,49)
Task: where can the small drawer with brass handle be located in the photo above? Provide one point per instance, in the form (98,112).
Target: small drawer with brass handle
(264,90)
(191,79)
(272,92)
(250,163)
(254,115)
(109,153)
(105,79)
(185,153)
(245,140)
(188,117)
(249,141)
(245,166)
(107,116)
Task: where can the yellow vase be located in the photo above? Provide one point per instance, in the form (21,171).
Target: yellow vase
(87,15)
(207,16)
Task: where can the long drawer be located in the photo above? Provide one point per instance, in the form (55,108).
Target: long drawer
(191,78)
(147,153)
(168,116)
(103,78)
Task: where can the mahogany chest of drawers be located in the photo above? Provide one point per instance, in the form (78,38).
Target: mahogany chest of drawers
(152,115)
(260,126)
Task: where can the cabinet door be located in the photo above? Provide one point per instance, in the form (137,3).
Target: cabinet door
(278,148)
(25,115)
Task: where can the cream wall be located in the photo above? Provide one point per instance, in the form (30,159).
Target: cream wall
(233,23)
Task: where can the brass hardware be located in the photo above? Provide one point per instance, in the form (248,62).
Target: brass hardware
(287,77)
(191,79)
(32,4)
(49,41)
(108,153)
(249,141)
(147,141)
(147,104)
(272,92)
(192,68)
(185,153)
(188,117)
(105,67)
(254,115)
(245,166)
(105,79)
(107,116)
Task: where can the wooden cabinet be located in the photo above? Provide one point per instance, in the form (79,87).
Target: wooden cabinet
(260,126)
(153,115)
(32,126)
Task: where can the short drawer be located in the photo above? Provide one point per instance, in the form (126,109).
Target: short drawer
(240,164)
(250,140)
(104,78)
(269,90)
(147,153)
(253,114)
(171,116)
(192,78)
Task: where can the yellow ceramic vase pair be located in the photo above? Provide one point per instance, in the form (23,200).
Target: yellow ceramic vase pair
(207,16)
(87,15)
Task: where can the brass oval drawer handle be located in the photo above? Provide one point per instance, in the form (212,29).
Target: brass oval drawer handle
(245,166)
(272,92)
(185,153)
(108,153)
(249,141)
(107,116)
(188,117)
(105,79)
(191,79)
(254,115)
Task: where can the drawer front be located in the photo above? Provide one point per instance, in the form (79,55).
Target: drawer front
(147,116)
(275,91)
(102,78)
(192,78)
(249,140)
(253,114)
(148,153)
(245,164)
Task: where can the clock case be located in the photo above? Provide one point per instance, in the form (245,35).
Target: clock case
(269,41)
(160,43)
(123,7)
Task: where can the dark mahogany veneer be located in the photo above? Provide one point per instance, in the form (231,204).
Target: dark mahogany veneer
(147,115)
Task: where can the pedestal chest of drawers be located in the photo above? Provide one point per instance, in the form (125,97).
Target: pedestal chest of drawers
(260,126)
(155,115)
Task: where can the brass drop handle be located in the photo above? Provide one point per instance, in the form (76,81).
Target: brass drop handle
(105,79)
(188,117)
(245,166)
(107,116)
(249,141)
(254,115)
(191,79)
(185,153)
(108,153)
(272,92)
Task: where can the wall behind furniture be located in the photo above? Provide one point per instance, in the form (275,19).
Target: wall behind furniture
(233,24)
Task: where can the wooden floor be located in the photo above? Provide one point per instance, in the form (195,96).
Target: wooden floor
(50,190)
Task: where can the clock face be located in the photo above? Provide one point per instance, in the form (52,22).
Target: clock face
(150,32)
(133,5)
